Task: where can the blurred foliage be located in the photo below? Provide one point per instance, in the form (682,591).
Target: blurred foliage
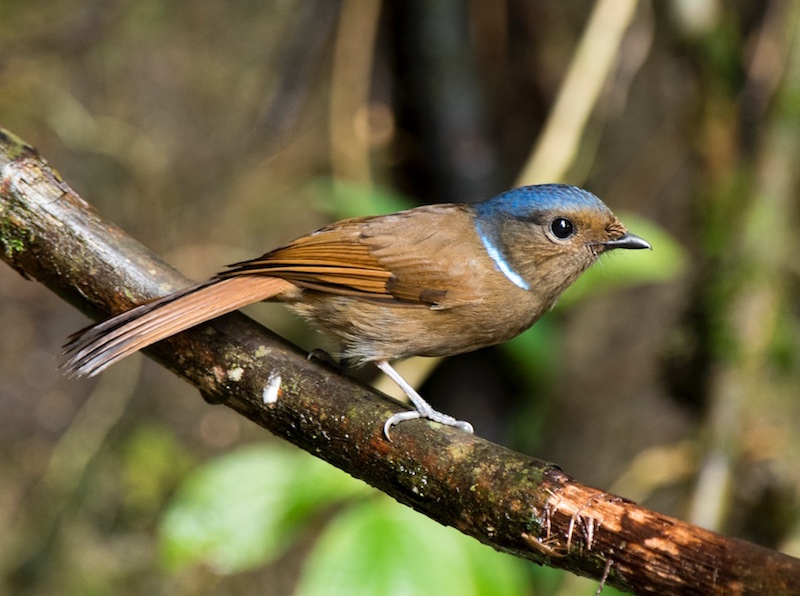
(246,507)
(216,131)
(152,463)
(341,199)
(358,553)
(665,263)
(249,507)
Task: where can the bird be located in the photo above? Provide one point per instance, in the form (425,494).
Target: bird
(435,280)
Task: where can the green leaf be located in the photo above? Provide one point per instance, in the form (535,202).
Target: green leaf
(381,547)
(624,268)
(244,509)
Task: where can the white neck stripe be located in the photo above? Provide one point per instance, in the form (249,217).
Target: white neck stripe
(501,262)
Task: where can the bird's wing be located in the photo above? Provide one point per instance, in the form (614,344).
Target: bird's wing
(416,257)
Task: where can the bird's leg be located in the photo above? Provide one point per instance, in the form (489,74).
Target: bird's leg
(424,409)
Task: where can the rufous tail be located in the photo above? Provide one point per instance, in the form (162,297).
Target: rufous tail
(95,348)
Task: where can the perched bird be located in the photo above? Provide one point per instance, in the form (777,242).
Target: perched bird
(436,280)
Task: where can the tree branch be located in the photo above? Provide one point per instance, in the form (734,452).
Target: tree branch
(506,500)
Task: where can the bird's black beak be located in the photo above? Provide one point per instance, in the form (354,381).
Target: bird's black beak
(628,240)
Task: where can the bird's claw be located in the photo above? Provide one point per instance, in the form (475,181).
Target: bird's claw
(423,408)
(326,358)
(431,414)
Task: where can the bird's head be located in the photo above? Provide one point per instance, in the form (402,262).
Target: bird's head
(543,237)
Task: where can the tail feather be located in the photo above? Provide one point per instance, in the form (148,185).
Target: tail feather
(95,348)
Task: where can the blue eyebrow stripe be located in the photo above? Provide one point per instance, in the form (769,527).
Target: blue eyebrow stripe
(501,262)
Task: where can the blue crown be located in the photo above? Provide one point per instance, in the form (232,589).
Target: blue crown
(524,201)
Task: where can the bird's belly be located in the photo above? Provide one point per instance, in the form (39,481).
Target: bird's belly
(371,331)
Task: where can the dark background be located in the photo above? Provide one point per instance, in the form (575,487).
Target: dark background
(213,132)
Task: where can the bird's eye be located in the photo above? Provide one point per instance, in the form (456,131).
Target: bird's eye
(562,228)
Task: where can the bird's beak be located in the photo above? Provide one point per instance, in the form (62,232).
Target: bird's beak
(628,240)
